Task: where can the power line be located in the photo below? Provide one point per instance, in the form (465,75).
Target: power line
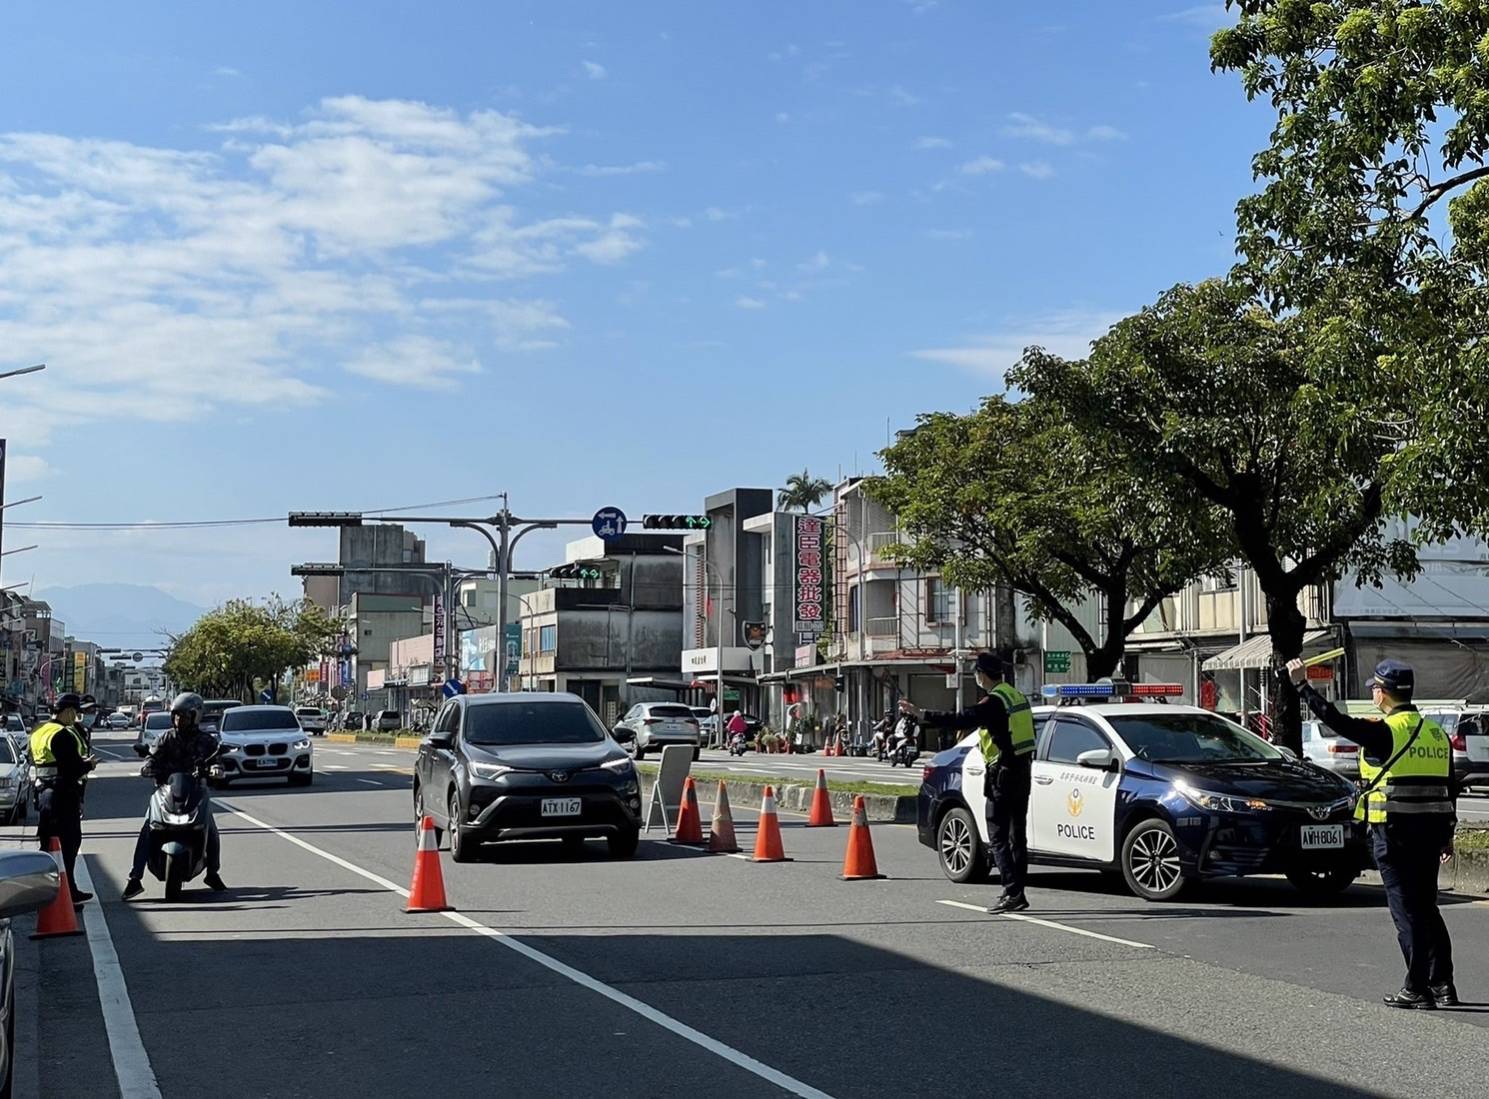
(200,524)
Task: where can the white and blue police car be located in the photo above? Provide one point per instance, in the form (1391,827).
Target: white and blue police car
(1164,794)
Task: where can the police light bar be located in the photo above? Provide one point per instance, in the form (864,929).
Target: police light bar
(1081,690)
(1156,690)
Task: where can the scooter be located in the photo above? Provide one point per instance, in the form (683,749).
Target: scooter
(739,743)
(905,746)
(178,829)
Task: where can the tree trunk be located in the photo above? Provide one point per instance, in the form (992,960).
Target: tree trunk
(1102,662)
(1285,625)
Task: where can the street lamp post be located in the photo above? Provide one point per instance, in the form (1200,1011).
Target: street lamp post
(709,569)
(23,370)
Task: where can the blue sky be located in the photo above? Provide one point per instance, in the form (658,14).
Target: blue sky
(362,255)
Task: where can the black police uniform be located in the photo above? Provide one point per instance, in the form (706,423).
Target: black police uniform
(1408,851)
(60,807)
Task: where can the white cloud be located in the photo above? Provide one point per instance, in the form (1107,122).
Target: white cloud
(1106,133)
(226,70)
(20,468)
(1204,16)
(716,213)
(170,281)
(594,70)
(417,361)
(1027,126)
(744,302)
(932,142)
(783,117)
(1068,334)
(866,198)
(821,261)
(900,96)
(640,167)
(983,165)
(1037,169)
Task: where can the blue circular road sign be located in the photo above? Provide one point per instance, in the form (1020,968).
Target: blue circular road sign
(609,523)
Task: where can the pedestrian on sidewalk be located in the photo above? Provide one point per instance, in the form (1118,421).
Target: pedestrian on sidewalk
(61,760)
(1005,735)
(1407,801)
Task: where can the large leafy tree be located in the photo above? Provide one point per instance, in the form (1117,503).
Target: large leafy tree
(241,643)
(1014,494)
(802,492)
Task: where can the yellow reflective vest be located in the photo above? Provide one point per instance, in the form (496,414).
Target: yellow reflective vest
(1413,779)
(1020,725)
(41,747)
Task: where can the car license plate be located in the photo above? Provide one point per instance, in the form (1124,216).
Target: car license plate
(562,807)
(269,761)
(1322,836)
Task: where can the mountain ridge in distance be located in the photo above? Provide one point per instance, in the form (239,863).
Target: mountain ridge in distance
(120,615)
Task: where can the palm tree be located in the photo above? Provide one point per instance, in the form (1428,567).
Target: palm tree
(803,491)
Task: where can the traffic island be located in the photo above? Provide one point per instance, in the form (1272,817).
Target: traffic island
(884,803)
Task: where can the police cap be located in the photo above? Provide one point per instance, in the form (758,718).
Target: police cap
(68,701)
(1395,676)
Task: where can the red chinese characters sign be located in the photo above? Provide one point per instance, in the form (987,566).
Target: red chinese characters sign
(810,565)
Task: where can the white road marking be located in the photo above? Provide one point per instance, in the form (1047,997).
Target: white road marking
(370,781)
(334,767)
(584,980)
(131,1063)
(1048,923)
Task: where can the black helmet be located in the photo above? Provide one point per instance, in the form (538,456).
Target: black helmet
(189,702)
(68,701)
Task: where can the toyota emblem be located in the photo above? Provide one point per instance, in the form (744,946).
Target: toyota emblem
(559,776)
(1320,812)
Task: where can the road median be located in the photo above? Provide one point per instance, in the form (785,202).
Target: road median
(410,741)
(885,804)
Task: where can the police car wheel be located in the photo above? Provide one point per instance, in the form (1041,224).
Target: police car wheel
(1150,861)
(959,848)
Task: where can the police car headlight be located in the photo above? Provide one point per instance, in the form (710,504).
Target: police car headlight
(1219,803)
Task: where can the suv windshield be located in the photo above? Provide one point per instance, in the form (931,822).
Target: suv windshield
(1191,738)
(308,711)
(7,751)
(532,723)
(158,721)
(238,721)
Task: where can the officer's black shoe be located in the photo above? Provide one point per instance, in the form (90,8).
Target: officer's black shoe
(1444,995)
(1015,902)
(215,883)
(133,888)
(1412,1000)
(80,897)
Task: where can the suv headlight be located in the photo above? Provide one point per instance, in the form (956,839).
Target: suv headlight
(488,770)
(228,748)
(623,764)
(1221,803)
(301,745)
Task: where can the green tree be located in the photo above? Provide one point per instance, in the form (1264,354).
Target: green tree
(243,643)
(802,491)
(1207,394)
(1013,494)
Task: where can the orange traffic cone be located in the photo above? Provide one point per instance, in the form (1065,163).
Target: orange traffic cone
(821,804)
(721,828)
(58,918)
(858,862)
(768,847)
(689,820)
(426,893)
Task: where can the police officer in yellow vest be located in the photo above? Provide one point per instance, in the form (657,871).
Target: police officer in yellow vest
(1407,798)
(61,760)
(1005,732)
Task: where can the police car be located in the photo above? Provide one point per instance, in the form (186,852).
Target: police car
(1163,794)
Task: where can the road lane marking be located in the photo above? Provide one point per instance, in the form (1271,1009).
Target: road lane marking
(584,980)
(370,781)
(1048,923)
(131,1063)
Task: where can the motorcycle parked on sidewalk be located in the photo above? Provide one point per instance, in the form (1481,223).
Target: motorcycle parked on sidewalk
(178,828)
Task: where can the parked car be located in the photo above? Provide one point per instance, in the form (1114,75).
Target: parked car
(265,742)
(526,766)
(387,721)
(155,724)
(312,719)
(28,881)
(15,782)
(212,711)
(1329,750)
(353,721)
(1468,732)
(649,725)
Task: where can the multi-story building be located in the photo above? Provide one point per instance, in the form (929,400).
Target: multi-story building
(615,639)
(373,622)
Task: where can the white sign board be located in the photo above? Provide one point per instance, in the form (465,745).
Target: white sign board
(666,791)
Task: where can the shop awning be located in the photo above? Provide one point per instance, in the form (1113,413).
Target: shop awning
(1256,652)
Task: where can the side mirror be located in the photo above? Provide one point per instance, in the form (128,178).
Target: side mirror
(440,740)
(622,734)
(1098,759)
(28,881)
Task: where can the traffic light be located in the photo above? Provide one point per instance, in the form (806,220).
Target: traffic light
(840,682)
(579,570)
(676,522)
(325,518)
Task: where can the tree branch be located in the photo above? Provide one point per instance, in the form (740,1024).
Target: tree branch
(1141,615)
(1438,190)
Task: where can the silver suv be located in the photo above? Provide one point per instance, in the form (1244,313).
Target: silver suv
(1325,747)
(649,725)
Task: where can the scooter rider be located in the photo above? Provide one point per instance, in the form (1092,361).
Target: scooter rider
(183,748)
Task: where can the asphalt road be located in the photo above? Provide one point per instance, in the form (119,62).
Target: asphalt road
(680,973)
